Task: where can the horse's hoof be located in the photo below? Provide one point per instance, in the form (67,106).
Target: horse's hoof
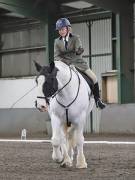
(66,164)
(60,162)
(81,166)
(63,165)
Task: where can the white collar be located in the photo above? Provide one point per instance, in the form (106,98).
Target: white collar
(67,37)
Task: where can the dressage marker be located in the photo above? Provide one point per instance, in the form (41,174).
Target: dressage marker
(86,142)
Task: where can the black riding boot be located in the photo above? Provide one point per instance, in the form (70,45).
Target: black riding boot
(99,103)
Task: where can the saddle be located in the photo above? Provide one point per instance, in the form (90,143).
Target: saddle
(88,80)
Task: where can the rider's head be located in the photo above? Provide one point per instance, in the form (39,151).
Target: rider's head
(63,26)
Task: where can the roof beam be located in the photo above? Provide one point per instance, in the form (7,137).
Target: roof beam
(117,6)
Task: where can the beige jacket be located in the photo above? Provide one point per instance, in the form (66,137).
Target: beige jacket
(70,55)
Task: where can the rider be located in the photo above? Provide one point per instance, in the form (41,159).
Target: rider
(68,49)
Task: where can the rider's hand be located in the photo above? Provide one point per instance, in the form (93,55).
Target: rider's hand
(79,51)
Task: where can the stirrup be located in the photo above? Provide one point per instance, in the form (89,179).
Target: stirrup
(100,104)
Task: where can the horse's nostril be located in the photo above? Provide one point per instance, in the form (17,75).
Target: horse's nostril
(43,107)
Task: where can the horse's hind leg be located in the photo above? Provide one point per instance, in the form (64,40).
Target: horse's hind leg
(81,161)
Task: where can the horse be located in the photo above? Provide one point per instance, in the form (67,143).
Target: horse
(67,97)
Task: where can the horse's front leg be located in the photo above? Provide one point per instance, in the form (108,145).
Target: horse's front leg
(60,153)
(81,161)
(67,159)
(57,154)
(71,141)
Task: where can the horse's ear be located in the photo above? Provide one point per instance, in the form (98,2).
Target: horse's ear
(38,66)
(52,66)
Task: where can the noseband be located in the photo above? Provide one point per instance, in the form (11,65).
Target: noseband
(46,98)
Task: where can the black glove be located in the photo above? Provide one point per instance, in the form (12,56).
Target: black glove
(79,51)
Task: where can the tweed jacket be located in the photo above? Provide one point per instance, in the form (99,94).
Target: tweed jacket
(69,55)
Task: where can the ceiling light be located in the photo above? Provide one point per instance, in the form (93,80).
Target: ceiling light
(78,4)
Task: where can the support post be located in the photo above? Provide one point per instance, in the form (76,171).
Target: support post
(124,55)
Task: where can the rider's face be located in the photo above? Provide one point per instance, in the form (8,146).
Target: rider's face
(63,31)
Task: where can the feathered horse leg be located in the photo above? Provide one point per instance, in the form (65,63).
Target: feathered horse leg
(67,160)
(81,161)
(60,152)
(57,154)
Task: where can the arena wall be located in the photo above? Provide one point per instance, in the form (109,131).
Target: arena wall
(118,118)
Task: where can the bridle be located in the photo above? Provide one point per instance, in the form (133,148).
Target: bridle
(59,90)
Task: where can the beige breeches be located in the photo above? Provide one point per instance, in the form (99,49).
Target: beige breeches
(91,74)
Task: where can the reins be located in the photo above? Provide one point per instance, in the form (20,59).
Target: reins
(58,91)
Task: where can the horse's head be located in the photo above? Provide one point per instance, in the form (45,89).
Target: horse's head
(47,84)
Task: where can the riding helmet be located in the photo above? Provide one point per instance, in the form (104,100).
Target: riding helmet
(62,22)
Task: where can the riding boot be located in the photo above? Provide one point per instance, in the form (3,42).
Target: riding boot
(98,101)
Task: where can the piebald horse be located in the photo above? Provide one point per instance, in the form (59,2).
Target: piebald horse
(67,97)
